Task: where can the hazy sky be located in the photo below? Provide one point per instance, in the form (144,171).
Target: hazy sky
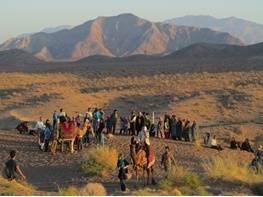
(25,16)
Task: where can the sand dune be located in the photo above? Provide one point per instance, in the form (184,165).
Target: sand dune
(224,98)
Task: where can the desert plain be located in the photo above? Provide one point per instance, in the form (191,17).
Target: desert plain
(224,97)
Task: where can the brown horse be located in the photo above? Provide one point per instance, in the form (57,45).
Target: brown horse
(140,161)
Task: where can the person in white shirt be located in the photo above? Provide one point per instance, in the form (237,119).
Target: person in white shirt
(40,125)
(212,143)
(144,136)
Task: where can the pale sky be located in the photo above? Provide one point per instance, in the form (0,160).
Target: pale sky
(26,16)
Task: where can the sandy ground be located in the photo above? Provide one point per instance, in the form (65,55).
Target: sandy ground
(225,98)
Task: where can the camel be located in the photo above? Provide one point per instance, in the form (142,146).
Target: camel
(81,133)
(140,161)
(70,132)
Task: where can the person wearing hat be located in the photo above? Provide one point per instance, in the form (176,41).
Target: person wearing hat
(123,166)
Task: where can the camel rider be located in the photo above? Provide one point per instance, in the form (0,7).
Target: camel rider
(144,138)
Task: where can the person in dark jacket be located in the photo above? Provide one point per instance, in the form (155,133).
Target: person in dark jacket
(246,146)
(113,121)
(23,127)
(122,165)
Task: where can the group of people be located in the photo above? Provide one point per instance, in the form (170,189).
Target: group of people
(139,127)
(177,128)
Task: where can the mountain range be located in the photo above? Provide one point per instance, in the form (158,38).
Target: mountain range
(195,51)
(247,31)
(47,30)
(117,36)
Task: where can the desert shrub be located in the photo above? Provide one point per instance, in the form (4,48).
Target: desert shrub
(230,170)
(93,189)
(181,176)
(15,188)
(98,161)
(181,179)
(70,191)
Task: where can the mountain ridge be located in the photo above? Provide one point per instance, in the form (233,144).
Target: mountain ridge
(116,36)
(247,31)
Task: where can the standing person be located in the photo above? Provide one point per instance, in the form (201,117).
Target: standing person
(160,128)
(186,131)
(167,159)
(12,168)
(40,125)
(100,132)
(125,126)
(121,125)
(54,138)
(179,129)
(193,130)
(139,122)
(173,127)
(47,134)
(167,129)
(133,122)
(62,116)
(47,123)
(55,117)
(147,121)
(113,121)
(123,166)
(78,120)
(102,113)
(107,124)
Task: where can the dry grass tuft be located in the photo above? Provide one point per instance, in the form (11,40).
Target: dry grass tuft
(93,189)
(181,179)
(98,161)
(16,188)
(230,170)
(70,191)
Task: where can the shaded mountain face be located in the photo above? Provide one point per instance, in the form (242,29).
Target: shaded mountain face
(248,32)
(117,36)
(15,57)
(217,51)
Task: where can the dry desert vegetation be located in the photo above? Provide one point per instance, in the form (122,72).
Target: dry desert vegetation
(225,97)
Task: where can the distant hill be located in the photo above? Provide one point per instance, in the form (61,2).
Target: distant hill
(16,57)
(47,30)
(194,51)
(220,51)
(247,31)
(103,58)
(117,36)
